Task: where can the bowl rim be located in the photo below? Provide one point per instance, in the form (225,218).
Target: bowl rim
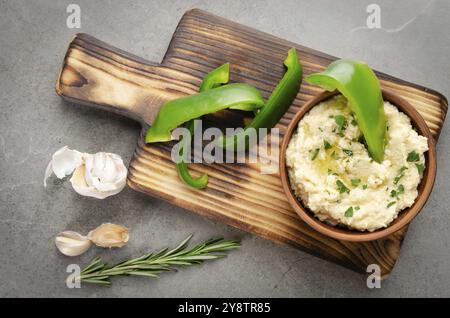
(407,215)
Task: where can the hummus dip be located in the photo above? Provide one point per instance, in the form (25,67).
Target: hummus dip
(332,173)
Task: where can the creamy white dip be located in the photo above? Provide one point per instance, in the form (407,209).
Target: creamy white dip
(332,173)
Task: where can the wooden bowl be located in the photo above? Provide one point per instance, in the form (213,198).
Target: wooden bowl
(404,217)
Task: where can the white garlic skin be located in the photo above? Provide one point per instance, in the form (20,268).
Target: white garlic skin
(64,162)
(71,243)
(109,235)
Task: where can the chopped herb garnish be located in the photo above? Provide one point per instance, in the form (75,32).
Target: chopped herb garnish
(390,204)
(349,212)
(320,128)
(356,208)
(341,187)
(315,153)
(348,152)
(340,120)
(334,155)
(364,186)
(355,182)
(326,144)
(420,167)
(413,156)
(342,124)
(400,190)
(400,175)
(402,169)
(354,123)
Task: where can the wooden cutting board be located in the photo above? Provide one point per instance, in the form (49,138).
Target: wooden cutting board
(97,74)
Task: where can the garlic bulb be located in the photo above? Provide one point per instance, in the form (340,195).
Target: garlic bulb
(97,175)
(109,235)
(72,243)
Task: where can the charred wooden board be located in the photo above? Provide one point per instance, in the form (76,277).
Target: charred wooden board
(100,75)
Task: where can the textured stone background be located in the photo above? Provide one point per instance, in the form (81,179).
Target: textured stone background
(414,44)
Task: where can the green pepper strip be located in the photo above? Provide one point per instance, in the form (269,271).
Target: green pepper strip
(182,169)
(213,79)
(221,76)
(277,105)
(178,111)
(216,77)
(359,84)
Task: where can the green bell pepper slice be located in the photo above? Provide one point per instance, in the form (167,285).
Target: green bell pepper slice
(359,84)
(213,79)
(221,76)
(216,77)
(278,103)
(176,112)
(181,166)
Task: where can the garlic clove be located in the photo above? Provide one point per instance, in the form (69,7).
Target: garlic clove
(71,243)
(80,186)
(104,167)
(105,172)
(64,162)
(109,235)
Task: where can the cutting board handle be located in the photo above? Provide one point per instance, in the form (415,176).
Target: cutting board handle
(96,74)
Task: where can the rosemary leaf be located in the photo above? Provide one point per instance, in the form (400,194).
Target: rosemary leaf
(97,281)
(144,273)
(153,264)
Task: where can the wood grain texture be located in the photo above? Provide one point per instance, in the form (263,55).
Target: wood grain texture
(99,75)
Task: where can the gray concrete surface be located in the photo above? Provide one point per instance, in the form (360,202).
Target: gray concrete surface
(413,44)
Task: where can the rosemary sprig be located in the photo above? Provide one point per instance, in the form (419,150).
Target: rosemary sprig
(153,264)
